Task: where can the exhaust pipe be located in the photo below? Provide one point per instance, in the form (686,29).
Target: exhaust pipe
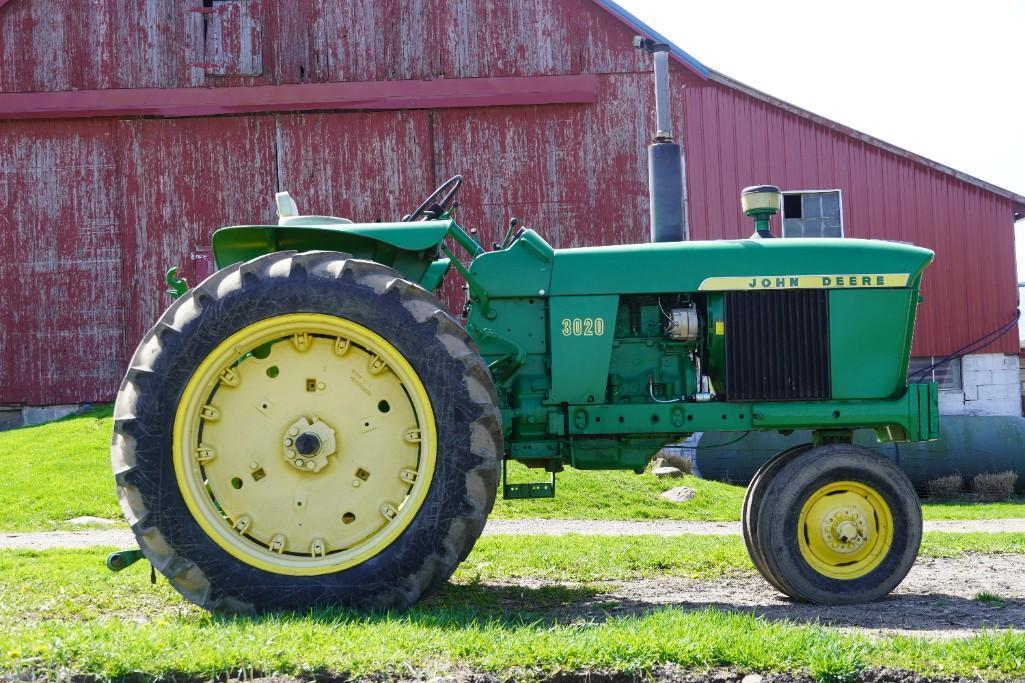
(665,160)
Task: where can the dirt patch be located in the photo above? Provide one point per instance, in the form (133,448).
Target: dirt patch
(45,540)
(937,600)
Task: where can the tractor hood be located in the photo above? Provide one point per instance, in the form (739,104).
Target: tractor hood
(737,265)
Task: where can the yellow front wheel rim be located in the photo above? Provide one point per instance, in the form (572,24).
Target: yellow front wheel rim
(845,530)
(304,444)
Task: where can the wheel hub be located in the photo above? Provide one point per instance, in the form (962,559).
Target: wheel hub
(844,530)
(308,444)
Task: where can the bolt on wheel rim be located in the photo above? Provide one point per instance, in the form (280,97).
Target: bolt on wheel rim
(304,444)
(845,530)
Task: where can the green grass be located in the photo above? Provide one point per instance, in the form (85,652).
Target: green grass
(583,494)
(58,471)
(55,472)
(61,612)
(76,584)
(1014,509)
(625,495)
(990,599)
(609,558)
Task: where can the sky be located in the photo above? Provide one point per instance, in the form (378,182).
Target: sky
(945,80)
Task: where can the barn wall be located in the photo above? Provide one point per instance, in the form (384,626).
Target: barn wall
(48,45)
(181,179)
(63,310)
(734,140)
(93,210)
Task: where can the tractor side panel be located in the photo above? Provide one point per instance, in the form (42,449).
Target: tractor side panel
(869,335)
(581,329)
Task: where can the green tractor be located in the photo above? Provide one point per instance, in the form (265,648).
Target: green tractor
(310,426)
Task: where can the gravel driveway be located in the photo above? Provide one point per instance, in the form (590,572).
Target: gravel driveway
(118,536)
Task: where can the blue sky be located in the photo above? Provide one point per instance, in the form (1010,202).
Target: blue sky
(942,79)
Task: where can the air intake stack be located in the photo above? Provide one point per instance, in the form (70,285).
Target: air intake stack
(665,160)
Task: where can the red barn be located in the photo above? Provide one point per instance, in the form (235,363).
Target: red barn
(131,129)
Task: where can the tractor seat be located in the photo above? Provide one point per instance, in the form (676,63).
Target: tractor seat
(288,214)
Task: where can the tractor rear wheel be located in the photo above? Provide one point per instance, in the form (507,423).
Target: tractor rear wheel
(304,430)
(752,502)
(838,524)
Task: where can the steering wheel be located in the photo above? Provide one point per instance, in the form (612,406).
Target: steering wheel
(433,207)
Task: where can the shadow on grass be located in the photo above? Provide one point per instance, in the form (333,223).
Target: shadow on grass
(465,605)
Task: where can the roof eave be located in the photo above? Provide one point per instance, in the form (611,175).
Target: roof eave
(678,53)
(1017,200)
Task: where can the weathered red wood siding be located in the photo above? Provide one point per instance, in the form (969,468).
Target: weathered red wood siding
(180,180)
(734,140)
(61,300)
(93,210)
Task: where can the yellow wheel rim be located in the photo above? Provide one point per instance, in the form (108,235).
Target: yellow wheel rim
(845,530)
(304,444)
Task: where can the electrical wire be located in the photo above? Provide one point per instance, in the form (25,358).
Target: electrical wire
(972,346)
(651,392)
(720,445)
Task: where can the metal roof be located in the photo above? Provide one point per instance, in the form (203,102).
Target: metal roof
(689,61)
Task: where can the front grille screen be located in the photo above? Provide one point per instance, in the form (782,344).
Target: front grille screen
(777,345)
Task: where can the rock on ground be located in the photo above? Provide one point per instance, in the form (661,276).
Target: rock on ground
(680,494)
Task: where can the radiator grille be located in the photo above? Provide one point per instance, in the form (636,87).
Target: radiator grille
(777,345)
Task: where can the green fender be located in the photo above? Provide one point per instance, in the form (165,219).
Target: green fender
(413,249)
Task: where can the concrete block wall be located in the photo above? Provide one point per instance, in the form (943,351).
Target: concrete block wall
(991,385)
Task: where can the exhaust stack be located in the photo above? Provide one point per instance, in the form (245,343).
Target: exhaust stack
(665,160)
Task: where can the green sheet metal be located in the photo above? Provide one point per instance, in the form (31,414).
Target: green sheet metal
(697,266)
(868,349)
(243,242)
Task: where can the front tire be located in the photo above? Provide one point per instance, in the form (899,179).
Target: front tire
(839,524)
(305,430)
(753,497)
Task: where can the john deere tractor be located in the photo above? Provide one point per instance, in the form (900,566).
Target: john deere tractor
(311,426)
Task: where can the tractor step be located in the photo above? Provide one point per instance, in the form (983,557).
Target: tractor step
(543,489)
(123,559)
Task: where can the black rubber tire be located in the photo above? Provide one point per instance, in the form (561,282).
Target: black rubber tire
(752,502)
(463,399)
(779,513)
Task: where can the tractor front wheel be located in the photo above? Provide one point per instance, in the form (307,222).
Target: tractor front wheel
(753,501)
(836,524)
(304,430)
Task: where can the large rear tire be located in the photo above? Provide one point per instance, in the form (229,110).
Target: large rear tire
(304,430)
(839,524)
